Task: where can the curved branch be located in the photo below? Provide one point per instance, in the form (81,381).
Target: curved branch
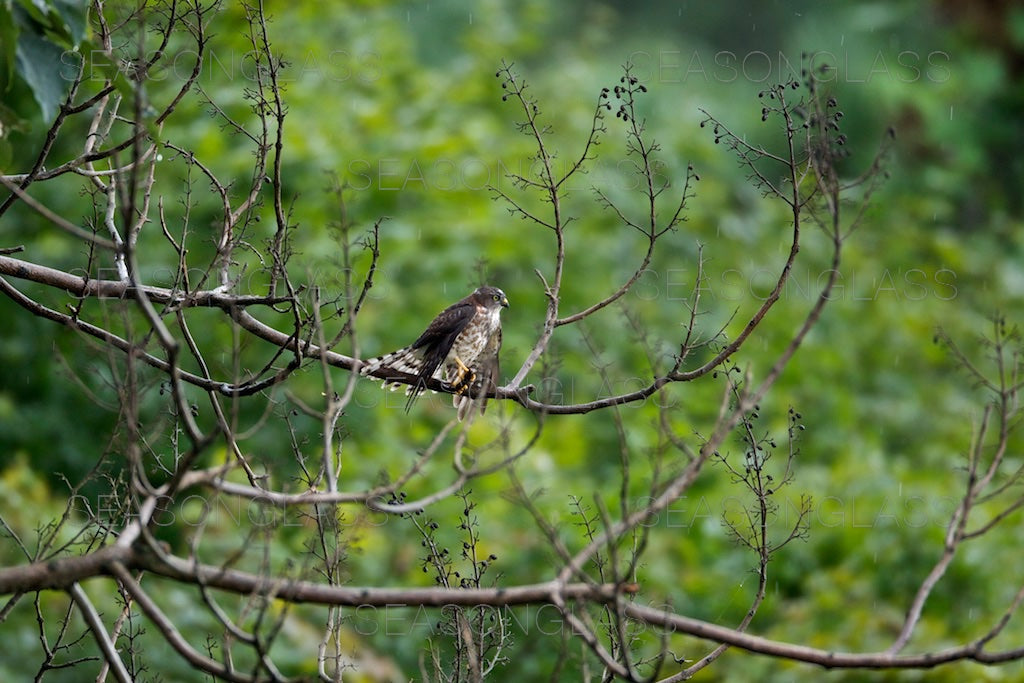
(125,346)
(614,296)
(829,659)
(170,633)
(61,574)
(99,632)
(116,561)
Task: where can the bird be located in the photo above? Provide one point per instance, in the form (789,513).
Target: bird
(459,348)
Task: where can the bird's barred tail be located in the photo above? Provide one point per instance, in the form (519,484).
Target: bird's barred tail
(402,360)
(406,361)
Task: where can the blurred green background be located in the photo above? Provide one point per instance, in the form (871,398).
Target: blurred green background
(400,101)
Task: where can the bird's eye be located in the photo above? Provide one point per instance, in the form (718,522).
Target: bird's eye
(495,297)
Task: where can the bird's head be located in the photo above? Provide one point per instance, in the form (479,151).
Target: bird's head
(491,297)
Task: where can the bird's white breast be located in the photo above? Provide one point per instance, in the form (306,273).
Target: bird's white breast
(473,339)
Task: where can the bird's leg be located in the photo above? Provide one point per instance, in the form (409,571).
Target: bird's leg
(460,383)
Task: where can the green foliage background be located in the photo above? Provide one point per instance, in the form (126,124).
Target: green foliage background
(400,101)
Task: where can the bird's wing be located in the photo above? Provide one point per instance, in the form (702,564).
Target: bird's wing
(437,340)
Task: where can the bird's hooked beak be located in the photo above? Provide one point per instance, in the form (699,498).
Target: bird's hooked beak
(504,302)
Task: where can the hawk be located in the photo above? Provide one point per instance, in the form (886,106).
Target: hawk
(460,348)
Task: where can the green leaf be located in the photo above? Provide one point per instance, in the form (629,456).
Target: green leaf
(36,9)
(8,41)
(40,63)
(75,15)
(63,22)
